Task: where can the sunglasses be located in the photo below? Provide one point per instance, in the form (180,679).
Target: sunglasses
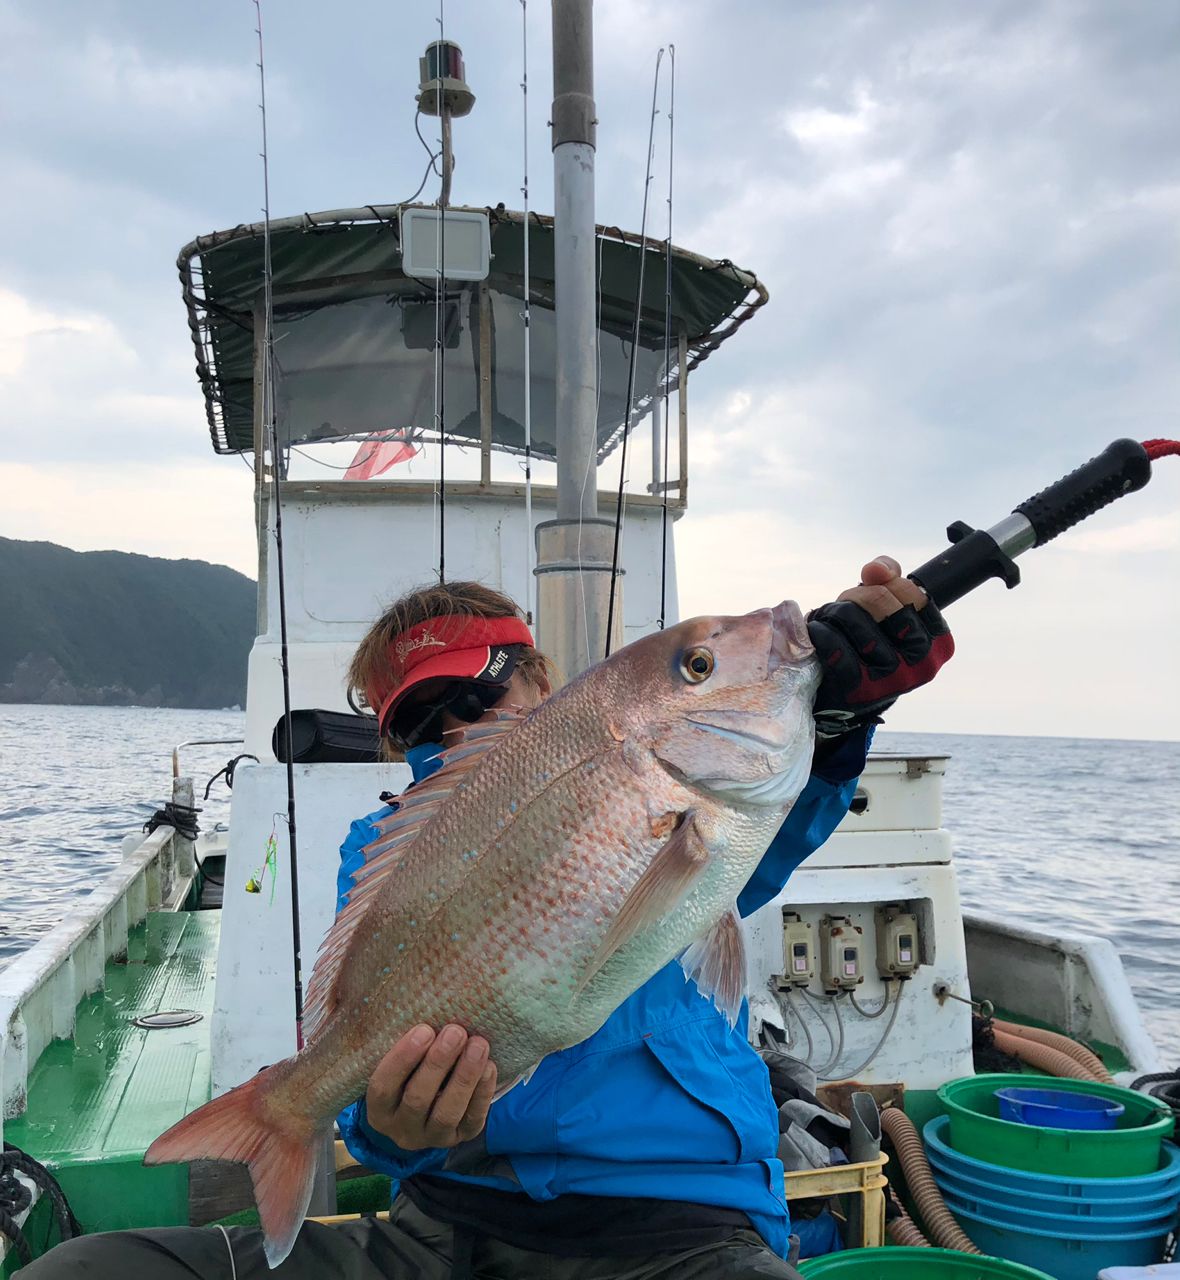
(466,700)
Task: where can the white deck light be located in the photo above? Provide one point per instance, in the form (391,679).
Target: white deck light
(466,241)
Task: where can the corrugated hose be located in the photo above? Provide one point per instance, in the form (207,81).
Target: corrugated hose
(937,1218)
(1042,1056)
(1071,1048)
(902,1229)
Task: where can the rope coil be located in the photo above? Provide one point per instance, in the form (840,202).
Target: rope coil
(228,771)
(182,818)
(15,1197)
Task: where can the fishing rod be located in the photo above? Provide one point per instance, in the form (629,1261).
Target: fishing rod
(979,554)
(629,403)
(270,423)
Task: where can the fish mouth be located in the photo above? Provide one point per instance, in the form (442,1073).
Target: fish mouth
(790,643)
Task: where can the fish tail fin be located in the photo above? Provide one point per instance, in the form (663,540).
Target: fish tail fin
(282,1164)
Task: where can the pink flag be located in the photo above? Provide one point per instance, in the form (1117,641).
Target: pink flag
(378,454)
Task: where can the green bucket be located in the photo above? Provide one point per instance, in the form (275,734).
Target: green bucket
(1130,1149)
(914,1264)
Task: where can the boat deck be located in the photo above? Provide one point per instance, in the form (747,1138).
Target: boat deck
(97,1101)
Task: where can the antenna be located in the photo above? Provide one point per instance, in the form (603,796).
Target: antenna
(526,315)
(663,472)
(442,92)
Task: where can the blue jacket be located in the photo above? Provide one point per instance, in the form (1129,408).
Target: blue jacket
(665,1100)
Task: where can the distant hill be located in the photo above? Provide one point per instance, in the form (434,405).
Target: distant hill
(116,629)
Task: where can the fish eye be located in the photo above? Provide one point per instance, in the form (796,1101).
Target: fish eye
(696,665)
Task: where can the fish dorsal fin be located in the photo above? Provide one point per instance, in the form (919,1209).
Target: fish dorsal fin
(395,834)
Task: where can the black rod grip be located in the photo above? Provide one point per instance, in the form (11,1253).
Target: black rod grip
(1120,468)
(971,561)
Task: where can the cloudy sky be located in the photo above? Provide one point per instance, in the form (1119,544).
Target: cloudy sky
(966,216)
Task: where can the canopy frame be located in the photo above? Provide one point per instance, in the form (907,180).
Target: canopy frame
(715,299)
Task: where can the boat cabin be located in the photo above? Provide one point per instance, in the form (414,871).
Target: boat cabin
(372,350)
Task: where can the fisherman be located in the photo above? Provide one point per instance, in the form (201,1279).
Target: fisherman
(648,1150)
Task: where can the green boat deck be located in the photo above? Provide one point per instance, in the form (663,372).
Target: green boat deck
(97,1101)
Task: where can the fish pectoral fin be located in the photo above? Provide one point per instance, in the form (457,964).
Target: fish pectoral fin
(717,963)
(663,885)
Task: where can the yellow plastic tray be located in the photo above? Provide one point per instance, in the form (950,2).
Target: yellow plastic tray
(866,1180)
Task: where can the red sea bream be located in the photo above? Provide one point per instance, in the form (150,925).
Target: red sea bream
(551,866)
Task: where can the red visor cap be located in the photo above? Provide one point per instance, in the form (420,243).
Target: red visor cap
(454,647)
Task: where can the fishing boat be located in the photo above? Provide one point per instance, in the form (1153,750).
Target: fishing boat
(517,355)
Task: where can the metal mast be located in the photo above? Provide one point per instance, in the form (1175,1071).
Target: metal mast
(574,551)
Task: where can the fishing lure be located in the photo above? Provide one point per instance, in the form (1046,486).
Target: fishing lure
(270,862)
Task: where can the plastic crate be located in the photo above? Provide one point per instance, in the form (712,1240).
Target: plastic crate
(866,1180)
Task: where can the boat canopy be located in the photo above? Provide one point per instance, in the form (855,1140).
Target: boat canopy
(354,336)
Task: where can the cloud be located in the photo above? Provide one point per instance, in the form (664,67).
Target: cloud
(119,82)
(1150,533)
(75,386)
(1052,657)
(203,513)
(731,562)
(118,77)
(965,217)
(31,334)
(821,128)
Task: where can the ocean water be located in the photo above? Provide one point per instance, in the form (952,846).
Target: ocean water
(73,782)
(1081,834)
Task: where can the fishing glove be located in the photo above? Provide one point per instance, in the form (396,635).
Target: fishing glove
(868,665)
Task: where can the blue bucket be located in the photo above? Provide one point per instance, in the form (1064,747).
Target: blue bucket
(1028,1218)
(1056,1109)
(1069,1256)
(998,1182)
(954,1183)
(1149,1195)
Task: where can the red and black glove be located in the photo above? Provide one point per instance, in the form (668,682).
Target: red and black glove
(867,665)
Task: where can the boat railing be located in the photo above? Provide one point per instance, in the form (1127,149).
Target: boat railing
(201,742)
(41,989)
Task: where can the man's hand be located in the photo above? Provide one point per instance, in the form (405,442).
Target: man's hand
(879,640)
(432,1090)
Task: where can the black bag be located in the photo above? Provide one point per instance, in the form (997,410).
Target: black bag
(328,737)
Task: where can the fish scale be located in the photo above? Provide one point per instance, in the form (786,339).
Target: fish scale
(553,864)
(551,848)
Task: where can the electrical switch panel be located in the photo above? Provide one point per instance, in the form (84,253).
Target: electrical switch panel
(897,941)
(840,947)
(798,951)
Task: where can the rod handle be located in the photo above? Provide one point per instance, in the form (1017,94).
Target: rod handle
(1120,468)
(974,557)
